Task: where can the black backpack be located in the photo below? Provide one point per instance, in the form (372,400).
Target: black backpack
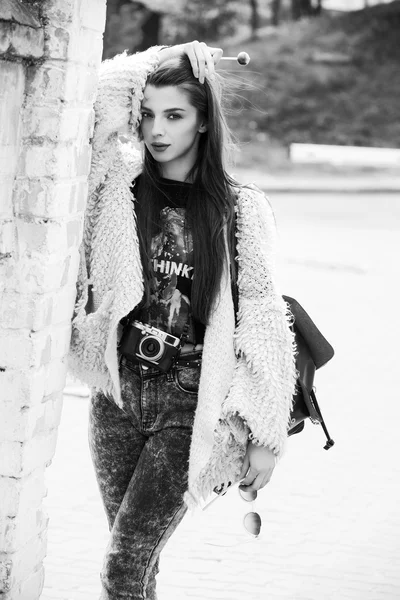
(313,351)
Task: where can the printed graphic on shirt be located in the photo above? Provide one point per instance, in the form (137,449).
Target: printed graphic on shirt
(172,260)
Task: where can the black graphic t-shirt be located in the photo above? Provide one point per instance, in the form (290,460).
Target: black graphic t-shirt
(172,262)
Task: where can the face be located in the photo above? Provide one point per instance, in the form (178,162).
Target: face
(171,128)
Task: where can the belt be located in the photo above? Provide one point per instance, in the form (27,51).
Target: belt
(191,359)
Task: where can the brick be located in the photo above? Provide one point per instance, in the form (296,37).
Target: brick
(26,525)
(26,311)
(81,85)
(12,84)
(57,42)
(56,374)
(41,273)
(20,565)
(60,12)
(77,125)
(41,121)
(7,236)
(36,311)
(6,204)
(32,587)
(19,424)
(47,236)
(8,162)
(86,47)
(21,40)
(21,458)
(45,84)
(48,198)
(55,160)
(18,495)
(92,14)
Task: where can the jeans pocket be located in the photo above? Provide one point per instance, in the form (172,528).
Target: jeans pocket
(187,379)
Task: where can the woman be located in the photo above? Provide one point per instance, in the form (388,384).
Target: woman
(160,241)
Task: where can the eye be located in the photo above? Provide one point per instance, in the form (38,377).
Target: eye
(145,115)
(174,116)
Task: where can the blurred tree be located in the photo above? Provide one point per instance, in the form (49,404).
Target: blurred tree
(208,20)
(276,12)
(305,8)
(254,18)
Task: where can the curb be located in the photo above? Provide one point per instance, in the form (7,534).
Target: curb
(328,184)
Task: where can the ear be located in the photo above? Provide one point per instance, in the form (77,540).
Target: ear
(203,128)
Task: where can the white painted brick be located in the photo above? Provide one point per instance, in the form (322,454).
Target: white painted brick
(45,83)
(25,41)
(19,424)
(64,161)
(60,12)
(23,387)
(57,42)
(36,311)
(7,236)
(92,14)
(41,121)
(41,273)
(81,85)
(48,198)
(18,459)
(12,84)
(18,495)
(21,564)
(16,349)
(15,530)
(42,235)
(6,200)
(8,161)
(86,47)
(26,311)
(32,587)
(76,124)
(56,373)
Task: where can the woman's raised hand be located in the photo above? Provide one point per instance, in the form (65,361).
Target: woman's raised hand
(203,58)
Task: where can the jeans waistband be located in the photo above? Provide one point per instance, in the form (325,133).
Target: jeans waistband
(190,359)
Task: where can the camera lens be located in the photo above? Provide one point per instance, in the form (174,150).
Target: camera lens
(151,347)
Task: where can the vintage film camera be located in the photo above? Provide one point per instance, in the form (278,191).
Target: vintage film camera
(149,345)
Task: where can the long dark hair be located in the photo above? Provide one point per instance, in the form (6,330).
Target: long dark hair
(211,202)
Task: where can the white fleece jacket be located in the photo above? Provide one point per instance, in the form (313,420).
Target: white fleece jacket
(248,372)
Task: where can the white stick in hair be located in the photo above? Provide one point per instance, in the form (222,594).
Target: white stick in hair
(242,58)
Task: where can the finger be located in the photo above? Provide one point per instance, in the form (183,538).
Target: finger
(267,479)
(256,484)
(209,60)
(216,54)
(250,477)
(245,467)
(189,49)
(201,61)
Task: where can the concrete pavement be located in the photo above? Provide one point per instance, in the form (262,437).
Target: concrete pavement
(331,524)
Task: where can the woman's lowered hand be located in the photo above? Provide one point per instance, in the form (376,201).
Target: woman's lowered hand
(203,58)
(258,466)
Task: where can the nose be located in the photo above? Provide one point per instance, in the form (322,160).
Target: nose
(158,127)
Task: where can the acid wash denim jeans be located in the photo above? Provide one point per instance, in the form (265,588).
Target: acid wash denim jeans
(140,454)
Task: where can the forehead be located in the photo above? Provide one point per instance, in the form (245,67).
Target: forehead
(166,97)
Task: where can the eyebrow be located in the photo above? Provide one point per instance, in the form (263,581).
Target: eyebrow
(166,111)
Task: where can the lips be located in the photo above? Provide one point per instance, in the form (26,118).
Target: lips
(160,147)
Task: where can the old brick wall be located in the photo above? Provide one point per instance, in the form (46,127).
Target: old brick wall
(50,52)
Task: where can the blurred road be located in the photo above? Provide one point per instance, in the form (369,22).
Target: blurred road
(331,523)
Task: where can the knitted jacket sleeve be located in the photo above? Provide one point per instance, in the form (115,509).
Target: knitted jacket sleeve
(265,374)
(120,91)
